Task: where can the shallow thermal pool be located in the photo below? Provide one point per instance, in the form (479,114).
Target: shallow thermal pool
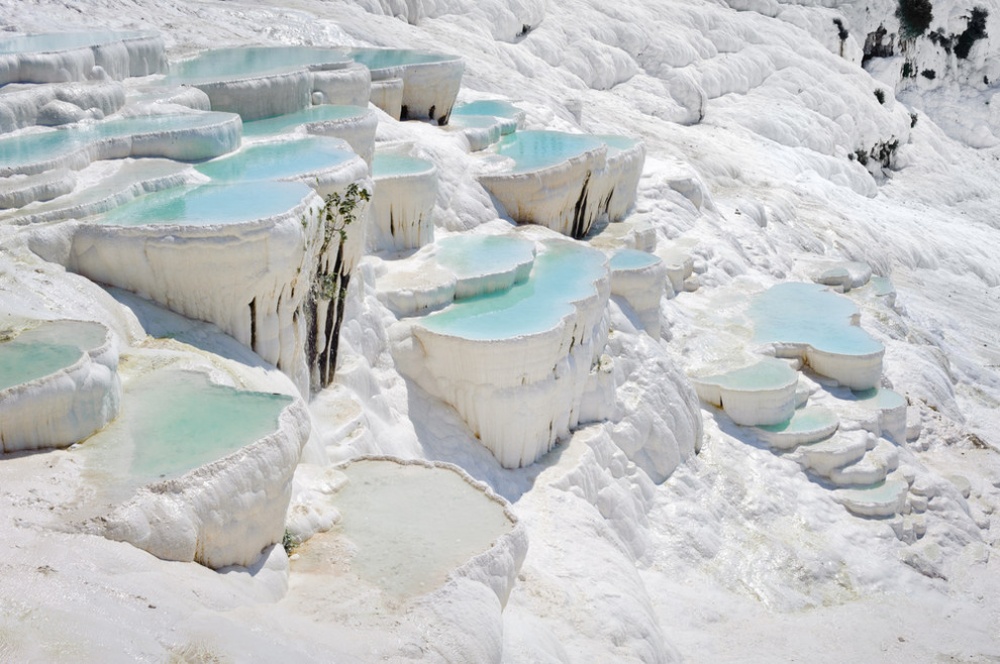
(64,41)
(470,256)
(809,314)
(42,146)
(413,524)
(388,165)
(633,259)
(805,420)
(276,160)
(617,143)
(383,58)
(534,150)
(230,63)
(280,124)
(563,273)
(173,421)
(45,349)
(768,374)
(880,398)
(491,107)
(208,204)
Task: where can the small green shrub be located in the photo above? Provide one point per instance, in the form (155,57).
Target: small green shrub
(929,74)
(880,95)
(913,120)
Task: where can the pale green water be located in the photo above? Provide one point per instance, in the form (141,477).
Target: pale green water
(880,398)
(178,421)
(767,374)
(412,525)
(45,349)
(881,492)
(33,148)
(632,259)
(618,143)
(533,150)
(282,159)
(228,63)
(64,41)
(386,165)
(22,362)
(882,285)
(202,205)
(809,314)
(804,420)
(382,58)
(492,107)
(473,255)
(563,273)
(283,123)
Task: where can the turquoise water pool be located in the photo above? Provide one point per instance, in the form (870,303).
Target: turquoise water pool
(768,374)
(533,150)
(492,107)
(283,159)
(382,58)
(474,255)
(387,165)
(632,259)
(207,204)
(284,123)
(42,146)
(563,273)
(45,349)
(178,421)
(228,63)
(810,314)
(805,420)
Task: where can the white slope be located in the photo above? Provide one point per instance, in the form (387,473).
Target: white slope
(750,115)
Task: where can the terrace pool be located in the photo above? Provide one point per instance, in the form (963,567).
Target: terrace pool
(535,150)
(208,204)
(562,274)
(801,313)
(277,160)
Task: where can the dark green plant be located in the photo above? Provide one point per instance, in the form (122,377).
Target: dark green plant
(880,95)
(913,120)
(288,542)
(914,16)
(929,74)
(338,212)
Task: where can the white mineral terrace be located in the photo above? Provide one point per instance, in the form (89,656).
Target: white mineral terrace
(58,383)
(485,122)
(182,137)
(195,471)
(262,82)
(528,350)
(76,56)
(402,203)
(640,278)
(761,394)
(354,124)
(56,104)
(166,247)
(566,181)
(430,81)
